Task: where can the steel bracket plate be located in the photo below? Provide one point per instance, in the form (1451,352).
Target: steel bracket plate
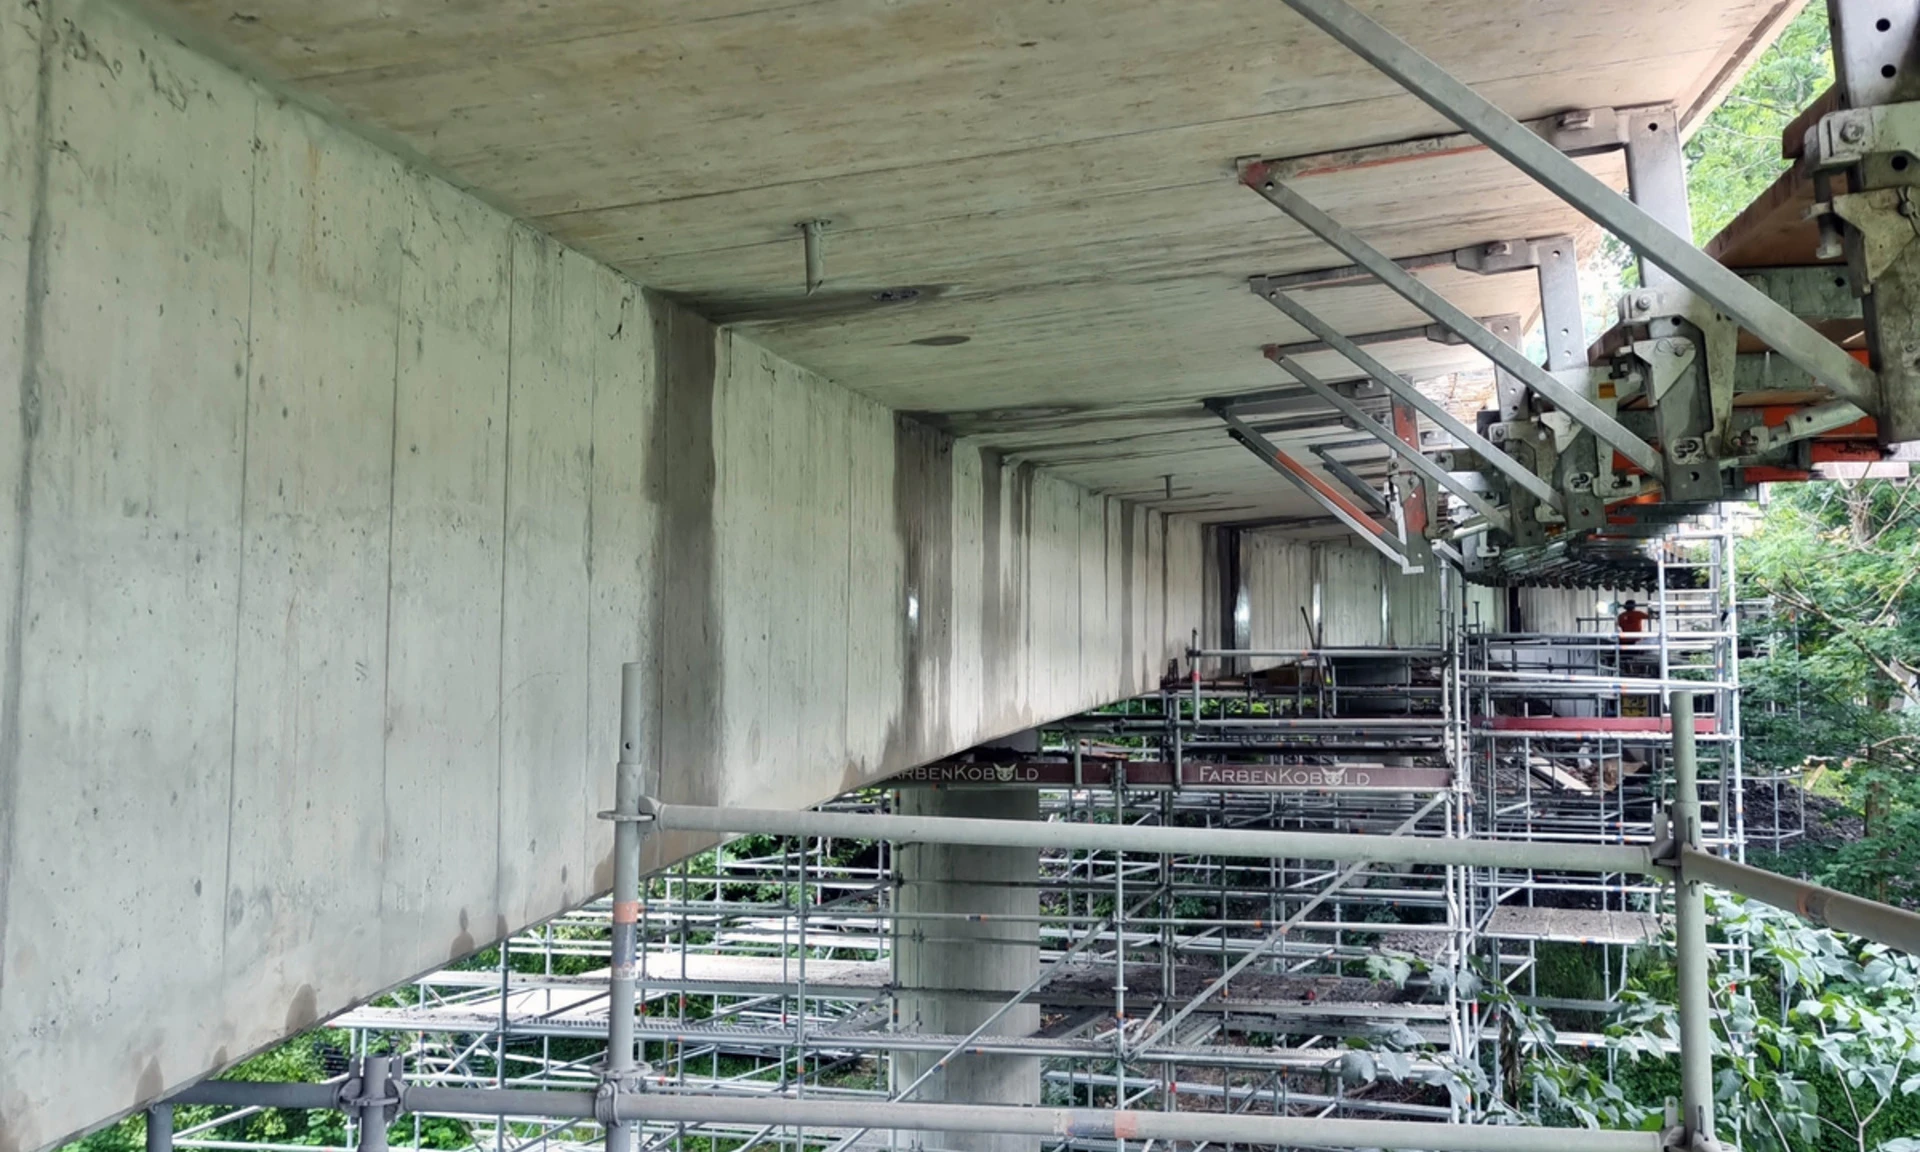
(1856,137)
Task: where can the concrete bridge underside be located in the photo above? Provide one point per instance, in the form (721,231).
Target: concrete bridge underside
(339,478)
(334,500)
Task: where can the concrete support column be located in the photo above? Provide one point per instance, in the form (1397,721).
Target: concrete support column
(999,956)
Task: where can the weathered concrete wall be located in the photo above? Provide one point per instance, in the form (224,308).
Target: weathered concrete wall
(1362,599)
(1573,609)
(331,502)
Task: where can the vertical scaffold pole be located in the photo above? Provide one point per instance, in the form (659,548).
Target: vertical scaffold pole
(627,789)
(374,1116)
(160,1128)
(1690,928)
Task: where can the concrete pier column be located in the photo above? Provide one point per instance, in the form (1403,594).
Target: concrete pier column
(996,955)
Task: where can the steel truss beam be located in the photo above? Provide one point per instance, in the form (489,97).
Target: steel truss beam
(1779,328)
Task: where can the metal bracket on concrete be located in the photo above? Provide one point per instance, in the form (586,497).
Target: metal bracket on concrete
(1356,483)
(1654,241)
(1576,132)
(1300,314)
(1873,138)
(1492,258)
(1496,516)
(1431,333)
(1421,296)
(1382,539)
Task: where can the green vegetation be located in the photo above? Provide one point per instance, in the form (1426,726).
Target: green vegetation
(1830,684)
(1735,154)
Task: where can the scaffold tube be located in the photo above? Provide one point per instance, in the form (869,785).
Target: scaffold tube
(1545,856)
(1068,1123)
(1895,927)
(1690,932)
(622,974)
(259,1094)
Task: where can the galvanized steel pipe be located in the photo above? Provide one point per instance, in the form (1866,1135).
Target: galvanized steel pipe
(1895,927)
(624,972)
(258,1094)
(1059,1123)
(160,1128)
(1690,931)
(1140,838)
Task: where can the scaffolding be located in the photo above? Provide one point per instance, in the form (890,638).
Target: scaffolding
(1288,985)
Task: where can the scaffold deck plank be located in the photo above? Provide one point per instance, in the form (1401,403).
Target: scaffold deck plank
(1573,925)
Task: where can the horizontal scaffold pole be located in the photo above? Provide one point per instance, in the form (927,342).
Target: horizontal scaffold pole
(1061,1123)
(1143,838)
(1895,927)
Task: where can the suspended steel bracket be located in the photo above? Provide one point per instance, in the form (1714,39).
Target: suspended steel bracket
(1873,139)
(1566,398)
(1575,132)
(1382,539)
(1420,462)
(1653,241)
(1515,471)
(1492,258)
(1431,333)
(1356,483)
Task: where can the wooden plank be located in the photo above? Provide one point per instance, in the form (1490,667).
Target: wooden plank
(545,602)
(1773,231)
(442,859)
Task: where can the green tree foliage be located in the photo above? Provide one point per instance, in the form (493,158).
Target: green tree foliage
(1735,154)
(1833,678)
(1818,1047)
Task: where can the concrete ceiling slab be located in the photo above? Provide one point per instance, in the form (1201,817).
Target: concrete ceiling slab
(1054,179)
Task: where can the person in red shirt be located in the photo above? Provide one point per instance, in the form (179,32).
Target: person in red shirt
(1631,619)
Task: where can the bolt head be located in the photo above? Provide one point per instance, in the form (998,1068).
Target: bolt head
(1853,132)
(1643,303)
